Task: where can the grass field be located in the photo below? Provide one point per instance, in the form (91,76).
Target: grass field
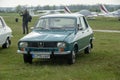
(102,64)
(105,23)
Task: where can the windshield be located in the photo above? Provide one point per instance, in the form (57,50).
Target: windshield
(56,23)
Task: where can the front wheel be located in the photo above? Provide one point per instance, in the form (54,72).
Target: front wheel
(27,58)
(71,57)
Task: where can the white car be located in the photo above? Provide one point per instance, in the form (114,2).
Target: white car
(5,34)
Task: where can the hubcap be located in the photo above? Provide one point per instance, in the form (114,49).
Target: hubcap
(89,48)
(7,43)
(73,57)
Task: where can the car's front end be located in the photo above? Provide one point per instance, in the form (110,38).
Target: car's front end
(43,47)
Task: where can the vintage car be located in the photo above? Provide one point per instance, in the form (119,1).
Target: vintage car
(5,34)
(62,35)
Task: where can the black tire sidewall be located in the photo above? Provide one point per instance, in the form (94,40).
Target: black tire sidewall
(27,58)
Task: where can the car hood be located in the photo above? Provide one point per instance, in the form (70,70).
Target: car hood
(47,36)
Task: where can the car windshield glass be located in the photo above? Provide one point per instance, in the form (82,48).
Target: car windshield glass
(56,23)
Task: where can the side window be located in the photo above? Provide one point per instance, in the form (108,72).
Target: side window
(80,24)
(84,23)
(1,25)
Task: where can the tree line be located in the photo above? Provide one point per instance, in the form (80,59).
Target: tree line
(73,8)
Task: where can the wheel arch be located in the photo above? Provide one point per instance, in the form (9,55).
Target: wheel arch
(91,42)
(76,47)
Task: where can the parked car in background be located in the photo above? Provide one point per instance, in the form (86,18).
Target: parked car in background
(5,34)
(62,35)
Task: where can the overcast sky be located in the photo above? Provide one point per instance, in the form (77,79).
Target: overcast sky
(14,3)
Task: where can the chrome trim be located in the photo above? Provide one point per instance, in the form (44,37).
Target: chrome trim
(21,52)
(38,52)
(56,53)
(62,53)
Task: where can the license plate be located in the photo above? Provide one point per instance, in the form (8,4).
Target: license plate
(43,55)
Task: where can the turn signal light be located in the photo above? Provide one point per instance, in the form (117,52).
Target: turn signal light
(61,49)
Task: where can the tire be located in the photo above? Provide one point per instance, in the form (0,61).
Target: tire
(91,45)
(27,58)
(71,57)
(88,49)
(7,43)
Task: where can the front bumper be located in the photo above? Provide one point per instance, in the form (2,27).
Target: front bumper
(45,54)
(38,52)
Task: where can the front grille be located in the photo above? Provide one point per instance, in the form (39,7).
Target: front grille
(42,44)
(50,44)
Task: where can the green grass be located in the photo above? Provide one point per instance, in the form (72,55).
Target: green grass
(102,64)
(105,23)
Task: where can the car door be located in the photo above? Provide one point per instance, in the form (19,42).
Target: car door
(85,31)
(82,33)
(2,32)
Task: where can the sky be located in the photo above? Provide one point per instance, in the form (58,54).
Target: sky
(14,3)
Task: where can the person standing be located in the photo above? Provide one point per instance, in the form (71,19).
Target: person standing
(25,21)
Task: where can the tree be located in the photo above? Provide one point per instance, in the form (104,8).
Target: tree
(18,8)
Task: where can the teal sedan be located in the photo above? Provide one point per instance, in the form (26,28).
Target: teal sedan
(63,35)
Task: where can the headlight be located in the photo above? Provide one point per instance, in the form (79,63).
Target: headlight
(61,45)
(23,44)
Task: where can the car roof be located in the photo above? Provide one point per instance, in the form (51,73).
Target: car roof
(62,15)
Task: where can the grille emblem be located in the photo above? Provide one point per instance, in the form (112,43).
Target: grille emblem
(40,44)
